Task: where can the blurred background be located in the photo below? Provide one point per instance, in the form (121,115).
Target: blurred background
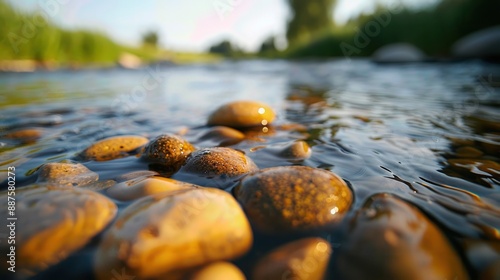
(50,34)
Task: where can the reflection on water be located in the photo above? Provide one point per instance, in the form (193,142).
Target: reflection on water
(429,133)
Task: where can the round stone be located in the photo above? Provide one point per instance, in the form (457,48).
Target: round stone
(219,271)
(240,114)
(391,239)
(215,167)
(293,198)
(165,235)
(66,174)
(305,259)
(25,135)
(53,223)
(144,186)
(113,147)
(222,136)
(168,150)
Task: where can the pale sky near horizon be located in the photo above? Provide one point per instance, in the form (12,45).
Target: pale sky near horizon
(191,25)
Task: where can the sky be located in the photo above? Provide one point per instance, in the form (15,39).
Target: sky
(189,25)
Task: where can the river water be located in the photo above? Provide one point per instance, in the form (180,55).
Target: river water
(429,133)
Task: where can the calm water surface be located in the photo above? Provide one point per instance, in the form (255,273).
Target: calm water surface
(429,133)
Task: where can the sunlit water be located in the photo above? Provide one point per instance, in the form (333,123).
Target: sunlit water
(399,129)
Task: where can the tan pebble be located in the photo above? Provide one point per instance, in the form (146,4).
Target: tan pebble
(298,150)
(223,136)
(219,271)
(159,235)
(144,186)
(169,151)
(468,152)
(54,222)
(305,259)
(293,198)
(241,114)
(210,162)
(66,174)
(113,147)
(391,239)
(25,135)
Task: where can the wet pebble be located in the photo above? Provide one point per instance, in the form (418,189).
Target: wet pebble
(218,162)
(240,114)
(391,239)
(468,152)
(66,174)
(222,136)
(305,259)
(293,198)
(219,271)
(476,166)
(168,151)
(164,235)
(25,135)
(113,147)
(144,186)
(298,150)
(53,223)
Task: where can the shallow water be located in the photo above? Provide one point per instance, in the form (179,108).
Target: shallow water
(401,129)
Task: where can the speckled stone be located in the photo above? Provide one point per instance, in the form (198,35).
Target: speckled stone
(66,174)
(53,222)
(293,198)
(219,271)
(212,162)
(113,147)
(391,239)
(305,259)
(144,186)
(164,234)
(222,136)
(168,150)
(240,114)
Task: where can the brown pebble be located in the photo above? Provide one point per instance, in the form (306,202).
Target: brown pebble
(53,222)
(298,150)
(113,147)
(144,186)
(169,151)
(240,114)
(468,152)
(223,136)
(305,259)
(477,166)
(66,174)
(293,198)
(167,233)
(219,271)
(25,135)
(136,175)
(391,239)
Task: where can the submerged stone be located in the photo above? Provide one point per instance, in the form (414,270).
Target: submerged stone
(113,147)
(241,114)
(53,223)
(305,259)
(66,174)
(391,239)
(222,136)
(293,198)
(25,135)
(144,186)
(164,235)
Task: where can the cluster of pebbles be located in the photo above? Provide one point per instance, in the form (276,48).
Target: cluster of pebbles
(194,211)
